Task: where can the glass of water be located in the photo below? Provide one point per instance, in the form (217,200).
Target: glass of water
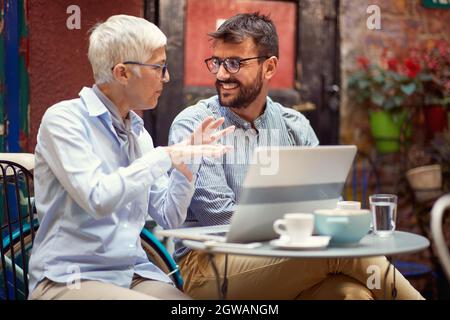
(384,213)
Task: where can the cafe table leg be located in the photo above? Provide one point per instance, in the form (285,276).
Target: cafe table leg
(221,289)
(393,287)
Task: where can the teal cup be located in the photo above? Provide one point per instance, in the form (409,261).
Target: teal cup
(344,226)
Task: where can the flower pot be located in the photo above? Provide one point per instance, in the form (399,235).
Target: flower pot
(386,128)
(436,119)
(426,181)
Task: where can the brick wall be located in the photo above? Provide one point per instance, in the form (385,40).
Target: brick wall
(405,24)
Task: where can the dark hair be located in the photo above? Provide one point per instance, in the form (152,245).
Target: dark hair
(254,25)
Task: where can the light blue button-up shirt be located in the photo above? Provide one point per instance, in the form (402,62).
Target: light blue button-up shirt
(92,203)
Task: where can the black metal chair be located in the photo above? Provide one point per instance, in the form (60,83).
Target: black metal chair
(17,229)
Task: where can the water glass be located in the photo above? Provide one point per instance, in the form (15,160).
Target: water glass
(384,213)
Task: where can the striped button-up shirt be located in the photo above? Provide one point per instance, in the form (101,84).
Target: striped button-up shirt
(219,181)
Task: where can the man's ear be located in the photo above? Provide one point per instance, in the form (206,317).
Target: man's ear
(121,73)
(271,67)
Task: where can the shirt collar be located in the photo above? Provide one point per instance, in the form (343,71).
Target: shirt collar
(239,122)
(93,104)
(96,107)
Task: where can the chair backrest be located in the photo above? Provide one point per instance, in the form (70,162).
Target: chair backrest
(437,219)
(160,256)
(362,181)
(17,235)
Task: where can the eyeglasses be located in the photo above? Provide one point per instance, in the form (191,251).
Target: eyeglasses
(156,66)
(232,65)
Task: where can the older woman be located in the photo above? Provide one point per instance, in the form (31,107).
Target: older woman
(98,176)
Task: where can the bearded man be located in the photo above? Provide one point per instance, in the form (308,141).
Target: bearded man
(244,60)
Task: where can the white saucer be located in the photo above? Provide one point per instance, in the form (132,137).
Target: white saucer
(313,242)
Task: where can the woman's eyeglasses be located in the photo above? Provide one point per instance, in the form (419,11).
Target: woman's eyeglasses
(156,66)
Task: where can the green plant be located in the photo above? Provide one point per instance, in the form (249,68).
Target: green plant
(389,86)
(436,62)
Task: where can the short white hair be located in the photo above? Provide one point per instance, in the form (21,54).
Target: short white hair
(122,38)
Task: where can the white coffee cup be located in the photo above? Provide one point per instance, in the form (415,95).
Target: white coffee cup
(295,227)
(348,205)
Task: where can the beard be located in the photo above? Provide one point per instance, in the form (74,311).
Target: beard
(246,94)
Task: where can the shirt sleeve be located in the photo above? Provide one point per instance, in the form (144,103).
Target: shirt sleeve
(170,195)
(67,149)
(169,199)
(299,128)
(213,200)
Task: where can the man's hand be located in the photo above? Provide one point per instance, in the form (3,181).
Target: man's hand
(180,154)
(205,134)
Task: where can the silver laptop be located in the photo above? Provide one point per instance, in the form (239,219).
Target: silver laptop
(279,180)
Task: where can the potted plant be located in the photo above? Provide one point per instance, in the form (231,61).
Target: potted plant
(436,61)
(390,91)
(429,173)
(424,175)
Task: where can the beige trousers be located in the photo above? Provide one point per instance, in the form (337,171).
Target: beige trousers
(140,289)
(276,278)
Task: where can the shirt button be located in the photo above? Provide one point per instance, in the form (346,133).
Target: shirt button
(131,245)
(125,225)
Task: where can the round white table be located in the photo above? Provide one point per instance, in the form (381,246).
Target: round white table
(371,245)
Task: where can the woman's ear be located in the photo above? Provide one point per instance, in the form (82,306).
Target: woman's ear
(271,67)
(120,73)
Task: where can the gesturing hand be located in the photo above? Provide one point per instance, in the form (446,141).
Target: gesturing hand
(200,143)
(205,134)
(180,154)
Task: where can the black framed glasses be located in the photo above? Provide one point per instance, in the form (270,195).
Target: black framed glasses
(232,65)
(156,66)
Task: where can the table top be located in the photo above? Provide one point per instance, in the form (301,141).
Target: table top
(371,245)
